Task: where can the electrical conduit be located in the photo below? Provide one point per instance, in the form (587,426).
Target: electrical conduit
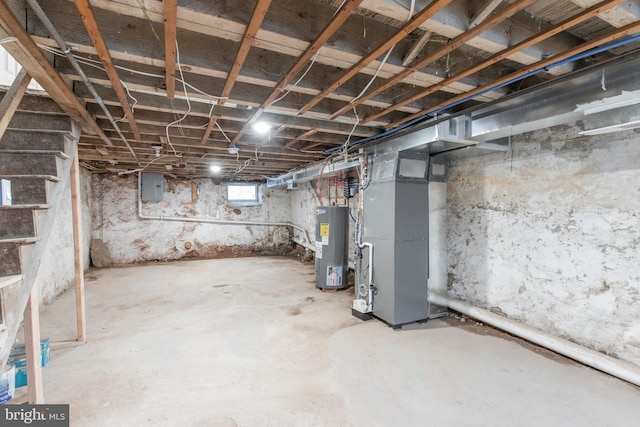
(618,368)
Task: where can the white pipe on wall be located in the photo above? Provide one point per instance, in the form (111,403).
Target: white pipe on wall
(618,368)
(307,243)
(370,293)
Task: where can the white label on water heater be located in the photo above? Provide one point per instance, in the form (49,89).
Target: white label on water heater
(318,250)
(325,240)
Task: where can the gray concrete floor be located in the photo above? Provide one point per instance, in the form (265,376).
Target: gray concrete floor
(251,342)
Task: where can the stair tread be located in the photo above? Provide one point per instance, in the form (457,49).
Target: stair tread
(23,240)
(16,176)
(26,206)
(10,280)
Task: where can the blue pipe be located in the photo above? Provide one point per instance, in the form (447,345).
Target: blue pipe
(576,57)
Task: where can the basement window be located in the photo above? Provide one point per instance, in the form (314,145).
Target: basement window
(244,194)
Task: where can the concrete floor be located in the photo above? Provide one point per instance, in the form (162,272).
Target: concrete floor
(251,342)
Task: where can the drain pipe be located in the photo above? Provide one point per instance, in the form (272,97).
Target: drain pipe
(618,368)
(305,234)
(67,51)
(370,272)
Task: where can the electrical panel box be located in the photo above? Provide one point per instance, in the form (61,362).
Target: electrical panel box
(152,187)
(5,192)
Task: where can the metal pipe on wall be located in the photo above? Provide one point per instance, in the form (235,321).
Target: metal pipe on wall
(618,368)
(306,244)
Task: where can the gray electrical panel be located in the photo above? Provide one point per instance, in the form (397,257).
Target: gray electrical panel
(396,223)
(152,187)
(332,228)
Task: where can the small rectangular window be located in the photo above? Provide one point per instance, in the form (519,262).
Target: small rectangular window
(243,194)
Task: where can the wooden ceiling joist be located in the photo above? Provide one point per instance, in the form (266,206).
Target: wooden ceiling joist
(485,10)
(299,138)
(627,30)
(568,23)
(247,41)
(348,7)
(90,23)
(407,29)
(207,132)
(27,53)
(494,19)
(417,48)
(339,18)
(12,98)
(170,18)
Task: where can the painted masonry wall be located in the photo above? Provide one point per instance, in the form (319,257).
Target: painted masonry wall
(57,270)
(304,202)
(120,237)
(550,237)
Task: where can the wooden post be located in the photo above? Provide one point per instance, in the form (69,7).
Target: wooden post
(35,389)
(77,249)
(194,192)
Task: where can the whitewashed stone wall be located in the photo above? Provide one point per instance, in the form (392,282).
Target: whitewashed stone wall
(120,237)
(57,270)
(550,236)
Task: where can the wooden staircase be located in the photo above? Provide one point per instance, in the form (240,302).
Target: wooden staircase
(38,155)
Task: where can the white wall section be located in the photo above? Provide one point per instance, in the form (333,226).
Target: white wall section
(120,237)
(549,236)
(57,272)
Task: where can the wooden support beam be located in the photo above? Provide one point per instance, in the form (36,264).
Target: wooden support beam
(35,389)
(627,30)
(299,138)
(247,41)
(484,11)
(170,19)
(494,19)
(29,55)
(417,48)
(310,146)
(341,16)
(407,29)
(194,191)
(90,23)
(76,213)
(280,129)
(562,26)
(12,99)
(207,132)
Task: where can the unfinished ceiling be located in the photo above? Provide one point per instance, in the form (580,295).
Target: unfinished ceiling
(192,77)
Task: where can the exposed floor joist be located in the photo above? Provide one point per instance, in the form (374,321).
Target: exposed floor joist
(236,60)
(89,20)
(170,16)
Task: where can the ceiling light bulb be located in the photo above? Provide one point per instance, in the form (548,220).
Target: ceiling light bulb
(261,127)
(233,149)
(215,168)
(157,149)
